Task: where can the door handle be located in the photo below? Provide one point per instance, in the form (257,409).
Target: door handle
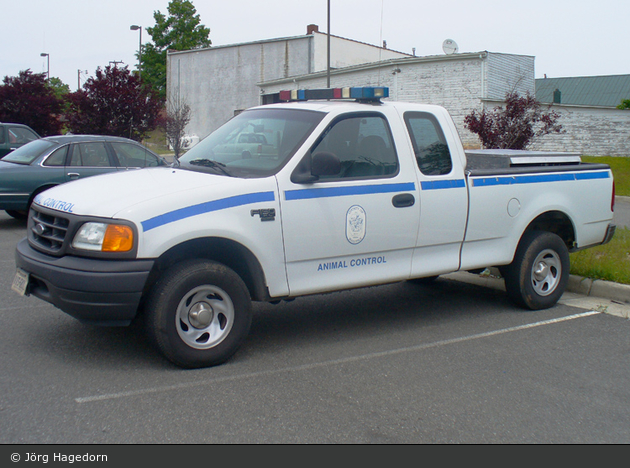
(403,200)
(73,175)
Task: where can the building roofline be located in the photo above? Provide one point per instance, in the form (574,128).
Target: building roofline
(589,76)
(412,59)
(559,104)
(282,39)
(363,43)
(239,44)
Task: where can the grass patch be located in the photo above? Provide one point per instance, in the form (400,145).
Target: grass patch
(610,262)
(621,170)
(156,141)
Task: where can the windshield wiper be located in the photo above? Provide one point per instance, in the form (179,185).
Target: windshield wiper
(210,163)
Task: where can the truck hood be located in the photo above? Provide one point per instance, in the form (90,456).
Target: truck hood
(109,195)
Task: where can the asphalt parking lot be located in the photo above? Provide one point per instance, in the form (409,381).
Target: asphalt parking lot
(399,364)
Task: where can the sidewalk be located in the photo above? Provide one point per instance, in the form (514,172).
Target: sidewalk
(605,296)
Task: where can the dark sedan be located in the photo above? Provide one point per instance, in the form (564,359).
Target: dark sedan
(44,163)
(13,135)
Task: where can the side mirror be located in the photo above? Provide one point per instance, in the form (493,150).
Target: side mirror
(311,168)
(325,164)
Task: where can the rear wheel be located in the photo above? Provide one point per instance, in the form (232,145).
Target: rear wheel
(425,280)
(539,274)
(199,313)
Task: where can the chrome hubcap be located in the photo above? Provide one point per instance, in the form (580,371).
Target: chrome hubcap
(200,315)
(546,272)
(205,317)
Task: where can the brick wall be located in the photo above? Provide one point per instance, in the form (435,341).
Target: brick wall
(593,131)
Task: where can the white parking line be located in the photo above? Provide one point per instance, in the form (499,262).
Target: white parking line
(168,388)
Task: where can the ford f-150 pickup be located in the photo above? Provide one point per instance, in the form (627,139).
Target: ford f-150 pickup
(346,194)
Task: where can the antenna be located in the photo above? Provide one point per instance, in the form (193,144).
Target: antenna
(449,46)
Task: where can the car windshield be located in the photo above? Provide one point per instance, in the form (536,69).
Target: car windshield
(255,143)
(29,152)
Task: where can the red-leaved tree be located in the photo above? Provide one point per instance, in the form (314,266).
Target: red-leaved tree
(514,126)
(28,99)
(114,102)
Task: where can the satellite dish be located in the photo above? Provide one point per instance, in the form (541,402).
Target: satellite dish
(449,46)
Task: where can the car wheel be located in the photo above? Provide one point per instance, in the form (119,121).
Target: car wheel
(539,273)
(198,313)
(17,214)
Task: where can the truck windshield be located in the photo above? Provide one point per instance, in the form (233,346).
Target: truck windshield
(255,143)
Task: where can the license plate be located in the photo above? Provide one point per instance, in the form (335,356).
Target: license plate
(20,282)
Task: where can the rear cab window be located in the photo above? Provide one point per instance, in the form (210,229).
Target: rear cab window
(433,156)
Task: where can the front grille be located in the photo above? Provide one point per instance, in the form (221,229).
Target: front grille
(51,232)
(47,230)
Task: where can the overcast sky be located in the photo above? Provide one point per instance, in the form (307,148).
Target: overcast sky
(567,37)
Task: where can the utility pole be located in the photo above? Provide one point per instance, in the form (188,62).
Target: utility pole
(328,49)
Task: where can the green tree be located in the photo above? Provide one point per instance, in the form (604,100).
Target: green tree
(59,88)
(114,102)
(180,30)
(625,104)
(29,99)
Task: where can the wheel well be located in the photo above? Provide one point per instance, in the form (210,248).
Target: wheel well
(556,222)
(225,251)
(37,191)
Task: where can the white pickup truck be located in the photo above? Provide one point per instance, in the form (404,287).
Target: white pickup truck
(346,194)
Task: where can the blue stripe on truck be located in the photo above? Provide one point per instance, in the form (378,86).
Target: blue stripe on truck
(538,178)
(206,207)
(443,184)
(305,194)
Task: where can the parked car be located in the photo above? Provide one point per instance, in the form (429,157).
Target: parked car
(46,162)
(13,135)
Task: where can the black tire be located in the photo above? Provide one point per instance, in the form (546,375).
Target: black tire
(198,313)
(425,280)
(539,273)
(17,214)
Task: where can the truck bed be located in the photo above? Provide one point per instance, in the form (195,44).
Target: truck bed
(506,161)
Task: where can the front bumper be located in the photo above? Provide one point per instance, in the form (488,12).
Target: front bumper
(102,292)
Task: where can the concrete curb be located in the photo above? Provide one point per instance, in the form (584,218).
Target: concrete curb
(584,286)
(599,288)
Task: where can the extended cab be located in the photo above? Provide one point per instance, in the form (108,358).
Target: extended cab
(345,195)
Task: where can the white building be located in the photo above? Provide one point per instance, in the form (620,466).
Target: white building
(459,82)
(218,82)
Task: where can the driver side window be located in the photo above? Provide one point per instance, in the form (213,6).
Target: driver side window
(364,146)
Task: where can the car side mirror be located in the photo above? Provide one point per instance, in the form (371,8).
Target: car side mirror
(312,168)
(325,164)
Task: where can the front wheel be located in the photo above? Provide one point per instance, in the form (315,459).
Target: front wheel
(539,273)
(199,313)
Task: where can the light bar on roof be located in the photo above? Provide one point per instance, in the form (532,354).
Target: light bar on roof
(368,93)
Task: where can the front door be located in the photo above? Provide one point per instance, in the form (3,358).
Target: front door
(358,226)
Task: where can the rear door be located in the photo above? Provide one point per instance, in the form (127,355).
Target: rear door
(443,201)
(89,159)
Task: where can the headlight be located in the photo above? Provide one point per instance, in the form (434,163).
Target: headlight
(103,237)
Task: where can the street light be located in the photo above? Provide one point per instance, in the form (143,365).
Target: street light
(43,54)
(135,27)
